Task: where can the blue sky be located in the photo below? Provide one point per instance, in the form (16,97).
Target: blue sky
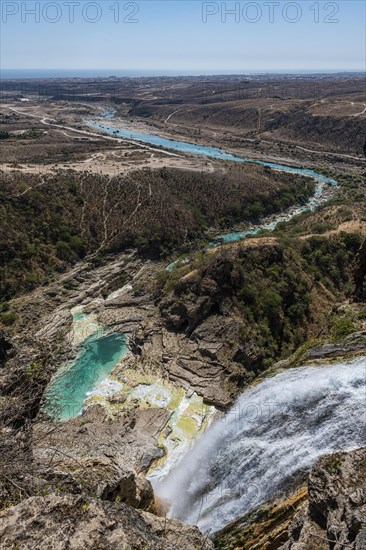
(184,36)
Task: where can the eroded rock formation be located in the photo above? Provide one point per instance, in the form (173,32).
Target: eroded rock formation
(335,517)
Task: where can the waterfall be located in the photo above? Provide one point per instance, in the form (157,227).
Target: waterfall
(267,441)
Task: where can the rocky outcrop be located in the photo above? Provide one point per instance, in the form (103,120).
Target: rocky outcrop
(106,456)
(198,295)
(129,437)
(105,478)
(46,312)
(360,274)
(265,528)
(330,514)
(335,516)
(73,522)
(197,362)
(24,374)
(353,343)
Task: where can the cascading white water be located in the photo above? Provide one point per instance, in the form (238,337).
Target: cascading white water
(271,436)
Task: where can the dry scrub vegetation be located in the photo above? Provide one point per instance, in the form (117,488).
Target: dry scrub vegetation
(51,221)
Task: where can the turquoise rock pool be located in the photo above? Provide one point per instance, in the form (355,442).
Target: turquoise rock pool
(96,359)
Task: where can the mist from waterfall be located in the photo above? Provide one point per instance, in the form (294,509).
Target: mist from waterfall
(267,442)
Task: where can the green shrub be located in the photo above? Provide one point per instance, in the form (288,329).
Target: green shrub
(342,327)
(64,251)
(8,318)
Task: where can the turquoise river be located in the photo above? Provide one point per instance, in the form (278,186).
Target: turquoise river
(99,354)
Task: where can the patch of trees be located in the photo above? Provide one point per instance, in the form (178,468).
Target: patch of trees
(269,288)
(50,222)
(39,235)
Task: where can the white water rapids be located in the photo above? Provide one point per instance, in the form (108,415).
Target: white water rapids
(271,436)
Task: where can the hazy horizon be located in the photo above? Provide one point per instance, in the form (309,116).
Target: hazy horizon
(8,74)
